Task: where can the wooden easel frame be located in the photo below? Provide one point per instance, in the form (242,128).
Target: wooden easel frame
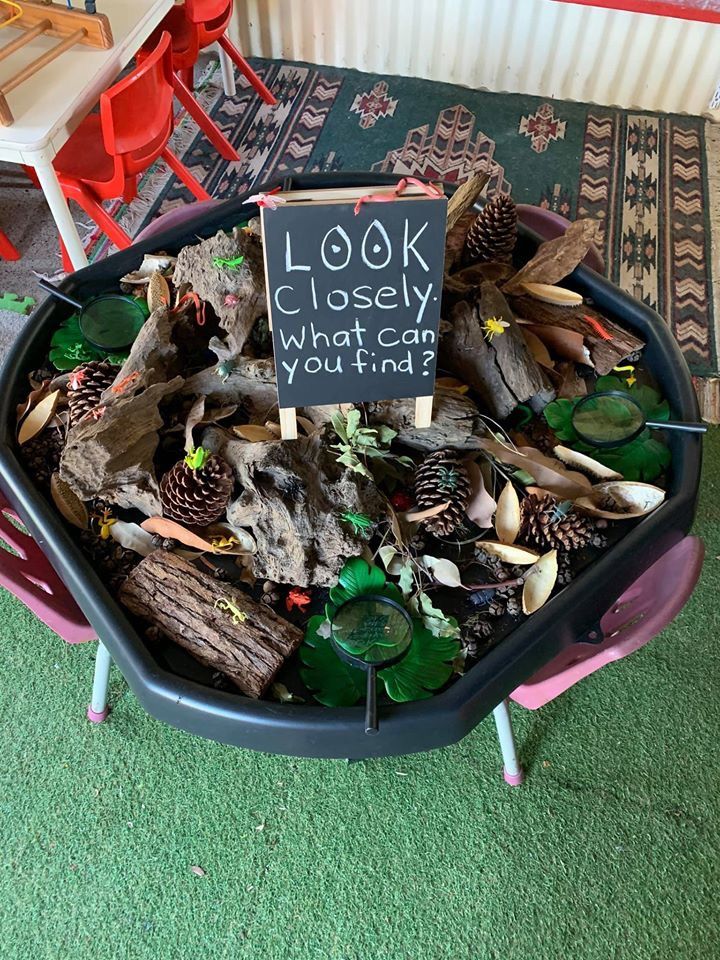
(54,20)
(287,415)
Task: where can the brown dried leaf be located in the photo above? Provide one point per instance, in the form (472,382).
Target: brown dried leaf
(537,348)
(480,506)
(175,531)
(555,259)
(194,417)
(38,418)
(254,433)
(546,472)
(507,516)
(509,552)
(68,503)
(451,383)
(539,582)
(32,400)
(417,516)
(158,292)
(568,344)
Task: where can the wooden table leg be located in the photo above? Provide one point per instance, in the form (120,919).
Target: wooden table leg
(61,214)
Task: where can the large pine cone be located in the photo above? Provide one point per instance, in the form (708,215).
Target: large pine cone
(546,524)
(86,385)
(196,496)
(493,234)
(442,478)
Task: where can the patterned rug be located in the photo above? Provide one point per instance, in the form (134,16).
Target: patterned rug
(643,176)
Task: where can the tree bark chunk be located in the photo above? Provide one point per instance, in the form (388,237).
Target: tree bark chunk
(555,259)
(605,354)
(503,371)
(456,422)
(250,382)
(174,596)
(465,197)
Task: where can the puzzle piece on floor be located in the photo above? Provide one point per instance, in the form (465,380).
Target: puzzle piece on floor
(11,301)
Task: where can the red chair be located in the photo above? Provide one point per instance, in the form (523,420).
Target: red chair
(102,159)
(8,250)
(195,25)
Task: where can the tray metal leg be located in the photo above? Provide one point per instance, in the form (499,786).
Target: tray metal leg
(512,771)
(98,709)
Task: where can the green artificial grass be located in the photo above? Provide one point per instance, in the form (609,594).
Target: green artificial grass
(610,850)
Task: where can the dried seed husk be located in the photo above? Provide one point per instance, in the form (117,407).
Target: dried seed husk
(481,506)
(581,461)
(158,292)
(549,293)
(628,500)
(509,552)
(507,515)
(172,530)
(133,537)
(68,503)
(539,582)
(418,515)
(254,433)
(546,472)
(38,418)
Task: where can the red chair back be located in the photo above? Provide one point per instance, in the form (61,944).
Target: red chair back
(212,12)
(137,113)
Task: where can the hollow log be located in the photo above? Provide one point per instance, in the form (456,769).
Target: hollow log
(215,622)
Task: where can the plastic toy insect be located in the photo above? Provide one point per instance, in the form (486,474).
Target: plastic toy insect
(238,616)
(298,597)
(493,327)
(220,544)
(228,264)
(358,521)
(224,369)
(104,521)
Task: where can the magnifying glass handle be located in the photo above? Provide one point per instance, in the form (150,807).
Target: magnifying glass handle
(677,425)
(371,719)
(53,290)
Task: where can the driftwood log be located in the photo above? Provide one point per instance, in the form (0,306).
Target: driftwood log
(605,352)
(236,294)
(503,371)
(215,622)
(112,457)
(250,382)
(293,497)
(456,422)
(153,355)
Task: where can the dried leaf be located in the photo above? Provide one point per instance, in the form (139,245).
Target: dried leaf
(194,417)
(175,531)
(555,259)
(480,506)
(68,503)
(545,471)
(443,571)
(621,500)
(38,418)
(32,400)
(508,552)
(549,293)
(581,461)
(254,433)
(568,344)
(537,348)
(308,426)
(451,383)
(539,582)
(281,693)
(158,292)
(418,515)
(132,537)
(507,516)
(274,428)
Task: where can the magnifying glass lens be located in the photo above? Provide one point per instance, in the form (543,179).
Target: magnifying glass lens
(111,323)
(372,630)
(607,419)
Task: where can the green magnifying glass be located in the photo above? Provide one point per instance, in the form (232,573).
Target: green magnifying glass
(611,418)
(109,322)
(371,632)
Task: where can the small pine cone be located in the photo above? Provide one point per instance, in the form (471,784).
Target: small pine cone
(493,234)
(86,386)
(545,525)
(42,455)
(196,495)
(442,478)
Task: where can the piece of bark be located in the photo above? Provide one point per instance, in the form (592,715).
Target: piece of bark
(293,497)
(112,457)
(456,422)
(555,259)
(465,198)
(250,382)
(237,295)
(455,241)
(604,353)
(503,371)
(152,358)
(462,284)
(190,607)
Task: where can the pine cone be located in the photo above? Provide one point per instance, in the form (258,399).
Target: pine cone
(442,478)
(86,385)
(493,234)
(42,455)
(197,489)
(546,525)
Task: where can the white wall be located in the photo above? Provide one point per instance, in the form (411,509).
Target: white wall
(538,47)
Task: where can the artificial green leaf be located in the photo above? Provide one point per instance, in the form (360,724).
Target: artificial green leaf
(647,398)
(558,415)
(644,459)
(427,665)
(357,577)
(334,683)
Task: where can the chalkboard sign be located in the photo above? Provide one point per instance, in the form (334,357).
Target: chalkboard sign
(354,297)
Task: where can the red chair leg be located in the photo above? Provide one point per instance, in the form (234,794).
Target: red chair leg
(94,209)
(187,75)
(182,173)
(8,251)
(204,121)
(31,175)
(247,71)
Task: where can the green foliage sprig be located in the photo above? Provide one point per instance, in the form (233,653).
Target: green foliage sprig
(359,444)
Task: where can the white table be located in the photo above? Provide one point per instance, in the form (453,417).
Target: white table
(50,105)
